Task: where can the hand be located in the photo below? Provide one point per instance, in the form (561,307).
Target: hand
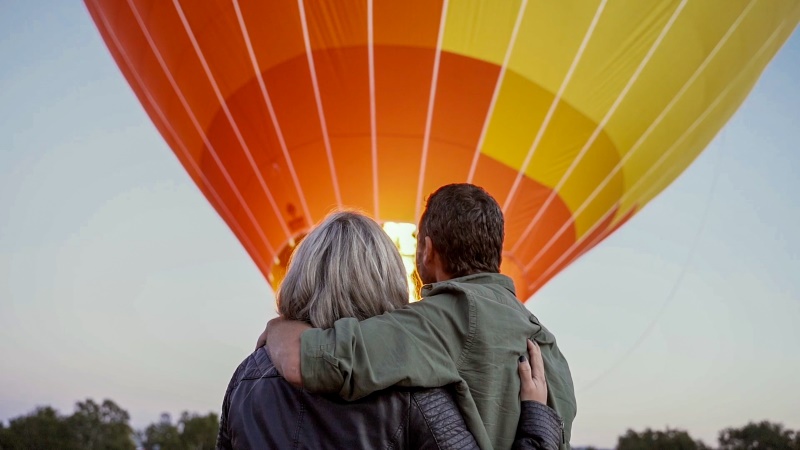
(262,340)
(283,337)
(533,385)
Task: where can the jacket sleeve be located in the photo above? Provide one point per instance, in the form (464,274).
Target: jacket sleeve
(560,388)
(224,435)
(539,427)
(435,423)
(418,345)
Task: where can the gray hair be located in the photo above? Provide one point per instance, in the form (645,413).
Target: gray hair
(346,267)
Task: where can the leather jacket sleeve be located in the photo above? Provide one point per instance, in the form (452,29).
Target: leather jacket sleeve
(224,437)
(435,422)
(540,427)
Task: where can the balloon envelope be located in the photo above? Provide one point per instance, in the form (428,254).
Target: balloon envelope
(573,114)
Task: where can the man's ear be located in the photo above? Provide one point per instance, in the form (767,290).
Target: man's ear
(432,260)
(428,252)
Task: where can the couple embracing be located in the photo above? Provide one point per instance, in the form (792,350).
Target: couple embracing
(350,364)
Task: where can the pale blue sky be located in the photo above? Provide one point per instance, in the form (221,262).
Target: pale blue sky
(118,280)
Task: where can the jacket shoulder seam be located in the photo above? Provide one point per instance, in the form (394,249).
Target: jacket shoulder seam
(472,329)
(427,422)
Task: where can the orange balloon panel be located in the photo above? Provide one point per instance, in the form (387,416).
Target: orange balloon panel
(573,114)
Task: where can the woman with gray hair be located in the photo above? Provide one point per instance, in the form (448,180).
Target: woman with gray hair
(337,271)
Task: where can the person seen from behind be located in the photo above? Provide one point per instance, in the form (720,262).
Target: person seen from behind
(348,267)
(467,331)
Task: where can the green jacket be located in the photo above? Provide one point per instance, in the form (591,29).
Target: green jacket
(469,331)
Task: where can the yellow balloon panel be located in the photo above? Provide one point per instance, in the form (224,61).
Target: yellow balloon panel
(662,167)
(622,39)
(683,56)
(487,39)
(690,126)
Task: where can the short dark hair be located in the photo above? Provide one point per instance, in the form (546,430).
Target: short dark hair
(465,225)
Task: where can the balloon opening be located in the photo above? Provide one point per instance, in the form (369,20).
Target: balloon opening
(404,236)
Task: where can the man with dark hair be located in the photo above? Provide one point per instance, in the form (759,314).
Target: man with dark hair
(466,224)
(468,330)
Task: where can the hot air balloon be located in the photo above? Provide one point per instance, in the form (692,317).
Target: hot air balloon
(573,114)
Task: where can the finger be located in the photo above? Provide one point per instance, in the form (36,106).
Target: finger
(537,364)
(524,370)
(526,387)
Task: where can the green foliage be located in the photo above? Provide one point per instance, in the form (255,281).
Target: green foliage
(191,432)
(101,427)
(199,432)
(658,440)
(42,429)
(759,436)
(753,436)
(106,426)
(91,427)
(163,435)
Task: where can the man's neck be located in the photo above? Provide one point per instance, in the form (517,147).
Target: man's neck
(440,275)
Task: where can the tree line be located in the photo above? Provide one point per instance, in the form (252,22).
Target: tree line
(755,435)
(106,426)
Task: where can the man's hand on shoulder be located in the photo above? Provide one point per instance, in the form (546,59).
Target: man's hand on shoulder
(282,338)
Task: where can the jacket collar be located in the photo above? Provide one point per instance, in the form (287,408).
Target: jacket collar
(477,278)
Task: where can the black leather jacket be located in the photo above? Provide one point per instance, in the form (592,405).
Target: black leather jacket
(261,410)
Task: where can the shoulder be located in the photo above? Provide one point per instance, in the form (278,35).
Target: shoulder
(257,365)
(443,309)
(485,288)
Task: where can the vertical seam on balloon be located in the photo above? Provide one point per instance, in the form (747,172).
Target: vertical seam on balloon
(431,101)
(667,153)
(589,143)
(596,240)
(496,94)
(647,132)
(197,126)
(373,120)
(226,213)
(224,105)
(554,104)
(318,97)
(272,114)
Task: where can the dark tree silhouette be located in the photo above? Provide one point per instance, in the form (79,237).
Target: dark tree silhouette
(199,432)
(760,435)
(105,426)
(658,440)
(42,429)
(101,426)
(191,432)
(163,435)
